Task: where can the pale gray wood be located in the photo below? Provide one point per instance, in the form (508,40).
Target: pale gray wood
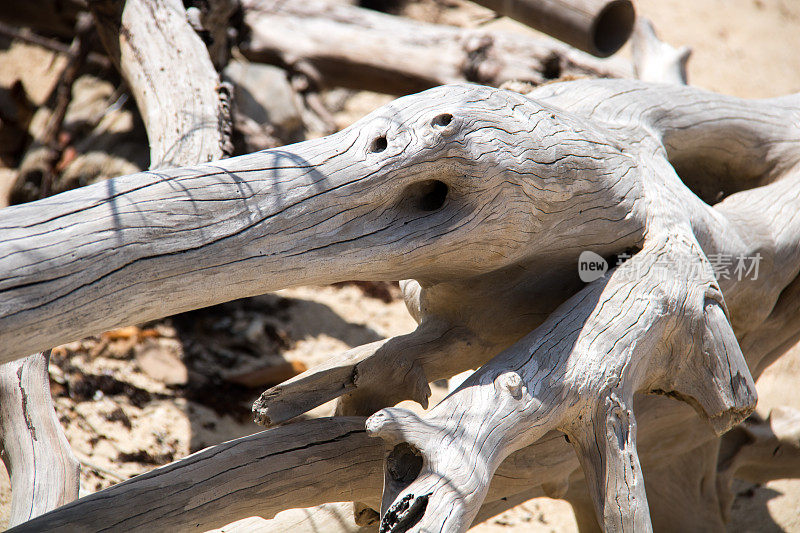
(186,122)
(531,182)
(363,49)
(653,59)
(299,465)
(169,71)
(44,473)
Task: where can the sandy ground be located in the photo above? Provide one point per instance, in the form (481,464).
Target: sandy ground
(143,396)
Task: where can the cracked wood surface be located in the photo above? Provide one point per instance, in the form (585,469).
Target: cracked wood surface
(425,188)
(44,473)
(186,122)
(298,465)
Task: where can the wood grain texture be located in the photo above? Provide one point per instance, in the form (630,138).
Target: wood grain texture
(169,71)
(151,42)
(486,198)
(44,473)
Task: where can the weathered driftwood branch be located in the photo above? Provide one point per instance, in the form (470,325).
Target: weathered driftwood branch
(298,465)
(653,59)
(487,198)
(578,373)
(363,49)
(167,67)
(262,474)
(44,473)
(605,435)
(599,27)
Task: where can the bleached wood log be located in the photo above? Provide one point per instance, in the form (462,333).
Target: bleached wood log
(167,67)
(578,373)
(44,473)
(298,465)
(424,188)
(607,442)
(362,49)
(599,27)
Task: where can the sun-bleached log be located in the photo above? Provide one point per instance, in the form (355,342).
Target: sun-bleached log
(167,67)
(44,473)
(363,49)
(298,465)
(594,404)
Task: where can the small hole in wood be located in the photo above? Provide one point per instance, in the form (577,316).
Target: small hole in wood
(442,120)
(379,144)
(432,195)
(404,463)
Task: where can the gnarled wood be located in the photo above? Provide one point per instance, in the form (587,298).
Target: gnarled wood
(298,465)
(487,198)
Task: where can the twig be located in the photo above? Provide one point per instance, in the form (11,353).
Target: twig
(76,53)
(26,35)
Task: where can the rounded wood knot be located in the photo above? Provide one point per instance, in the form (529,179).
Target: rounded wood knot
(512,382)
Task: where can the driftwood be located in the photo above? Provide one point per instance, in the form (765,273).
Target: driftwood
(44,473)
(487,198)
(342,45)
(166,65)
(599,27)
(298,465)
